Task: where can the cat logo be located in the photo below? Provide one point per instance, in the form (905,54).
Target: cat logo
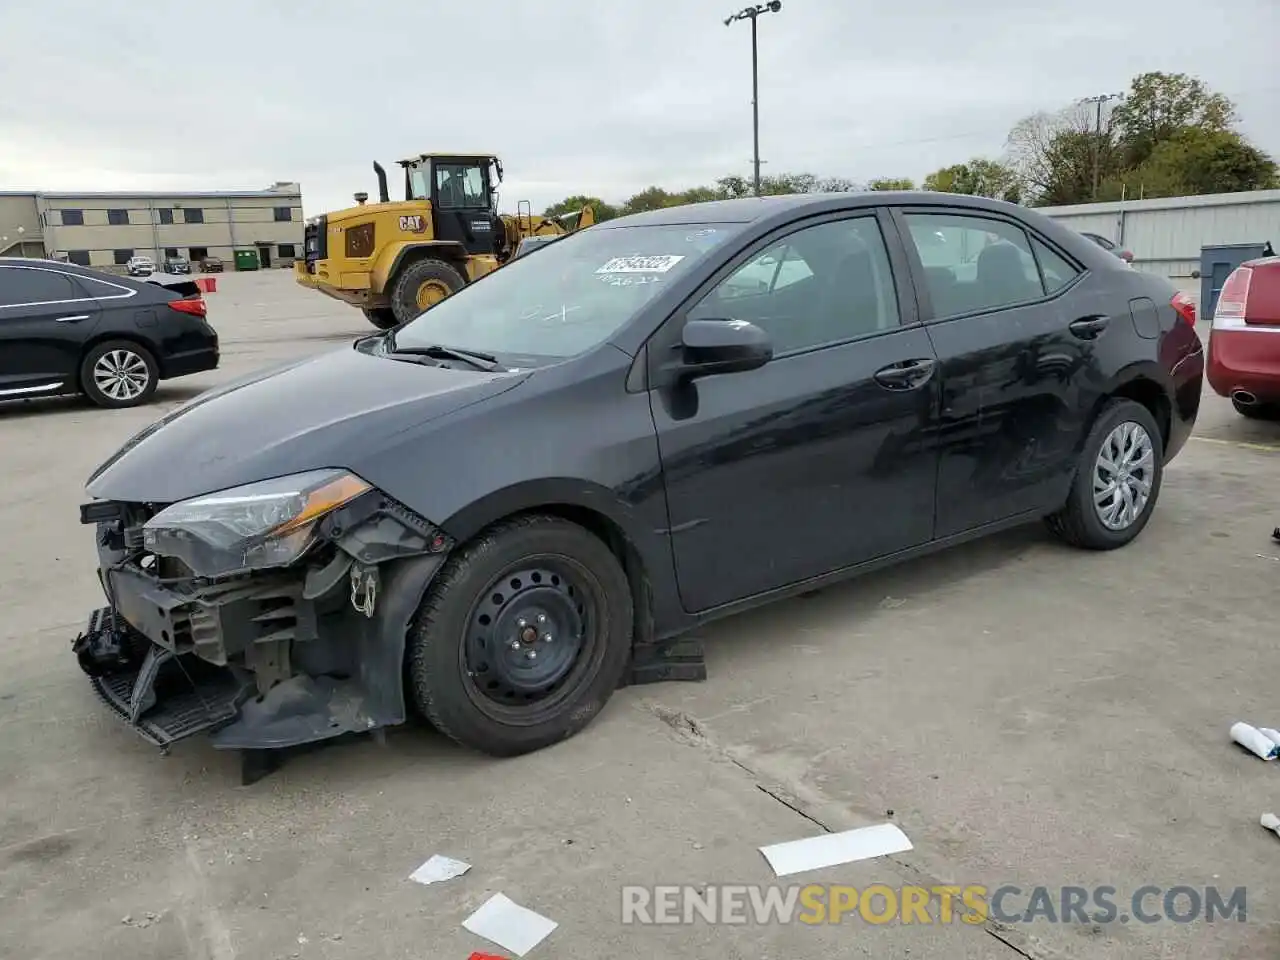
(414,223)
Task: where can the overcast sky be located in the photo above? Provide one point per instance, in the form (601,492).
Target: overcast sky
(602,98)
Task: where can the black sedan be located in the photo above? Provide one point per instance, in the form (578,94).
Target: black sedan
(518,501)
(70,329)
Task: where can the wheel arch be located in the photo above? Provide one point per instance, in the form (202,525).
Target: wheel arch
(404,254)
(590,506)
(1146,384)
(96,339)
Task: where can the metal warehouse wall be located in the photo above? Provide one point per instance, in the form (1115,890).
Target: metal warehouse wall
(1166,235)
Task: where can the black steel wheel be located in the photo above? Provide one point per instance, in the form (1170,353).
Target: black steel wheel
(522,637)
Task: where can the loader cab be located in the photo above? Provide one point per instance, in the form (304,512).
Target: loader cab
(462,190)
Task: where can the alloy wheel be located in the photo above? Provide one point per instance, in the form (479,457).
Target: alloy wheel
(1123,474)
(121,375)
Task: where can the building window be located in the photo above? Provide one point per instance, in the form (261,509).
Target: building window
(283,214)
(73,218)
(122,256)
(287,251)
(166,215)
(193,215)
(78,256)
(118,218)
(171,252)
(196,254)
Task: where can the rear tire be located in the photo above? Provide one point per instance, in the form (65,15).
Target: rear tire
(1112,496)
(381,317)
(480,665)
(119,373)
(421,285)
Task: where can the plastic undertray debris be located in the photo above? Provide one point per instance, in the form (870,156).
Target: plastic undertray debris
(186,704)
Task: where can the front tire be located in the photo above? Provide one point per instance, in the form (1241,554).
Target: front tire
(1117,480)
(421,285)
(381,317)
(119,373)
(522,637)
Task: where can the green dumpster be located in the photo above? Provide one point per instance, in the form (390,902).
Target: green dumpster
(246,259)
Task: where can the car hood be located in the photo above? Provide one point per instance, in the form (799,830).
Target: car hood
(333,410)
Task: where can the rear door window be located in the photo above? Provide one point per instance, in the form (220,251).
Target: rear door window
(25,286)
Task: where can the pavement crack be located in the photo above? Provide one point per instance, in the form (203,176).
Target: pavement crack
(790,803)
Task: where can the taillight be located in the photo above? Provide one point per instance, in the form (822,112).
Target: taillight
(1233,301)
(195,306)
(1185,307)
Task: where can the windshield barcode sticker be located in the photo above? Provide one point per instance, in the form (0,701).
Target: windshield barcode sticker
(640,264)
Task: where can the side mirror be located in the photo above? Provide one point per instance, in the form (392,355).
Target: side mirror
(721,346)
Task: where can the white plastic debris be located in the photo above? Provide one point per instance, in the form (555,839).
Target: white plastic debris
(1271,822)
(830,849)
(438,869)
(1255,741)
(511,926)
(1272,735)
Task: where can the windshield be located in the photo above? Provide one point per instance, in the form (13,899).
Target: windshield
(569,298)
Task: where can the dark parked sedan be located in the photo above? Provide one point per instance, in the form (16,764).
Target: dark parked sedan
(69,329)
(518,501)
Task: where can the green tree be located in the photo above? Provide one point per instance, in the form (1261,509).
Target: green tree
(651,198)
(1159,106)
(891,183)
(1197,160)
(978,177)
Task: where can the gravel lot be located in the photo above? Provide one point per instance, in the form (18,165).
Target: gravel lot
(1030,714)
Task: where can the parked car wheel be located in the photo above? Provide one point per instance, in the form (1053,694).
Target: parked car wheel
(381,317)
(523,636)
(1117,480)
(119,373)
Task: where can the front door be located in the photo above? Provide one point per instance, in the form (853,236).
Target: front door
(1017,382)
(45,317)
(821,458)
(460,199)
(264,256)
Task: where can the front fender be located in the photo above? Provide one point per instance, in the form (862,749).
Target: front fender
(393,255)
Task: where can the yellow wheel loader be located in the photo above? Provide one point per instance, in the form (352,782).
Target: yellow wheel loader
(394,259)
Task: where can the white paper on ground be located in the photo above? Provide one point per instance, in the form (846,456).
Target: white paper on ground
(829,849)
(511,926)
(439,868)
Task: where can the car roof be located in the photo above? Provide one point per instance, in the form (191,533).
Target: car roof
(752,209)
(74,269)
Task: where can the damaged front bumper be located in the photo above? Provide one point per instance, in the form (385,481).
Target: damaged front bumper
(261,659)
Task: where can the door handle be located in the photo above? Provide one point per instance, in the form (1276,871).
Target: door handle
(1087,328)
(75,318)
(906,374)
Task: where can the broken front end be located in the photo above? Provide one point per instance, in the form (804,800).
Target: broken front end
(270,615)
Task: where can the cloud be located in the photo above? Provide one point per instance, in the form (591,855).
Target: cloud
(574,96)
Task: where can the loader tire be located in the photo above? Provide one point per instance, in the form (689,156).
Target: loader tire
(381,317)
(423,284)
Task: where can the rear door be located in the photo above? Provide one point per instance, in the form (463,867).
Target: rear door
(45,318)
(1014,328)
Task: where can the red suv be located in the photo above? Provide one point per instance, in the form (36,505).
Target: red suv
(1244,342)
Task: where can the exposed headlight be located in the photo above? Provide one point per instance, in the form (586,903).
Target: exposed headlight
(253,527)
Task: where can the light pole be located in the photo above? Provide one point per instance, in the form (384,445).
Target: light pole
(752,14)
(1098,101)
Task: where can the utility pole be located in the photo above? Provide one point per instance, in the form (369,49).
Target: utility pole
(1098,101)
(752,14)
